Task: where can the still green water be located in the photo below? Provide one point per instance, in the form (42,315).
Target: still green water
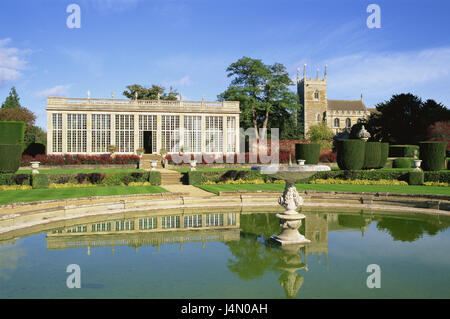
(228,254)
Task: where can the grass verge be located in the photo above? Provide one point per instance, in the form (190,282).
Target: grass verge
(64,193)
(425,190)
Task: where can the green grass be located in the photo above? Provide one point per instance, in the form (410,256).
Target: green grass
(331,187)
(77,171)
(64,193)
(211,169)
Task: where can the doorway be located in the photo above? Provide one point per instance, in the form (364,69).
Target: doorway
(148,142)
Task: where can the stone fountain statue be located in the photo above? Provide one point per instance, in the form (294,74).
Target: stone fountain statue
(291,219)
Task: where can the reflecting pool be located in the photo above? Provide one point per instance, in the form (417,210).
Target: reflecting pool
(228,254)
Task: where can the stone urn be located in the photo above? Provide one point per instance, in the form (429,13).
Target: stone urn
(291,219)
(363,134)
(417,164)
(301,162)
(35,167)
(153,164)
(193,165)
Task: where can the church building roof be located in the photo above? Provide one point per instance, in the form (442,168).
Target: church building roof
(346,105)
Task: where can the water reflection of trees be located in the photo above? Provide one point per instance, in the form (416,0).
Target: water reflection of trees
(254,255)
(412,229)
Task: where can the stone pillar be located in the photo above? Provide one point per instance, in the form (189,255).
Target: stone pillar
(88,133)
(113,130)
(64,133)
(136,132)
(158,133)
(237,135)
(203,133)
(50,133)
(181,130)
(225,134)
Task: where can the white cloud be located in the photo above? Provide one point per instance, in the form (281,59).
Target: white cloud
(11,62)
(58,90)
(381,74)
(92,63)
(184,81)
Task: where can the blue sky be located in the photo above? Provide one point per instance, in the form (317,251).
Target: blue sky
(189,44)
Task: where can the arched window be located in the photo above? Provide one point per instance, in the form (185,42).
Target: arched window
(318,117)
(348,123)
(316,95)
(336,123)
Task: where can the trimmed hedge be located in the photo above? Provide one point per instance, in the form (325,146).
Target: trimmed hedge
(372,155)
(309,152)
(448,163)
(15,179)
(10,157)
(155,178)
(403,162)
(432,155)
(402,150)
(12,132)
(416,178)
(195,178)
(40,181)
(384,152)
(351,154)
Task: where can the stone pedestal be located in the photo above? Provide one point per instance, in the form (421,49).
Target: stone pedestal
(290,220)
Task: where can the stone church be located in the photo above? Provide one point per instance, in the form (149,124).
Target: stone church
(338,114)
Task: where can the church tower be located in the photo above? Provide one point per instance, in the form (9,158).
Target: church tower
(313,97)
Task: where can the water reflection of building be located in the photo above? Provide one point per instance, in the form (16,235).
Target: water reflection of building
(317,226)
(141,229)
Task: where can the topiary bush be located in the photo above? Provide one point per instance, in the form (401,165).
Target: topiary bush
(155,178)
(372,155)
(350,154)
(403,162)
(384,152)
(12,132)
(195,178)
(432,155)
(10,155)
(416,178)
(39,181)
(309,152)
(402,150)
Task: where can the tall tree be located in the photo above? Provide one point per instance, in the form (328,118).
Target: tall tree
(404,119)
(262,90)
(12,100)
(152,93)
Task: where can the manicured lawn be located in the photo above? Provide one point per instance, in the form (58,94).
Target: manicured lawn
(331,187)
(211,169)
(62,193)
(76,171)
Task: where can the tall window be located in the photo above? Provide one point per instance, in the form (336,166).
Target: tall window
(147,223)
(316,95)
(348,123)
(170,133)
(318,117)
(170,222)
(147,123)
(336,123)
(214,220)
(193,133)
(125,133)
(231,134)
(214,134)
(57,133)
(193,221)
(76,133)
(101,132)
